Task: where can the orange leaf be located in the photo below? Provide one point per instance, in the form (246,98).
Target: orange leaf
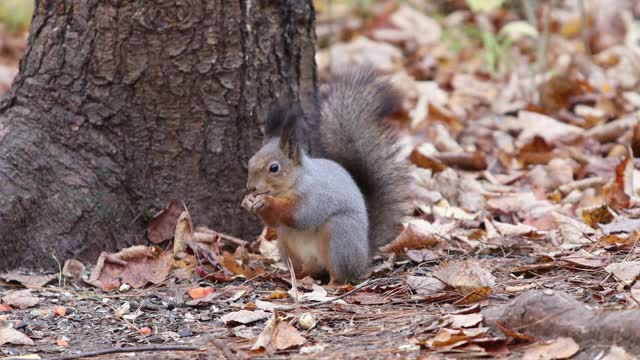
(145,331)
(60,311)
(62,342)
(5,307)
(200,292)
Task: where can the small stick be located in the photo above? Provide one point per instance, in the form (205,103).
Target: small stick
(223,347)
(294,286)
(355,289)
(127,350)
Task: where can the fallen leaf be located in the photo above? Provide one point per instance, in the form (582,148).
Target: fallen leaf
(277,295)
(59,311)
(73,269)
(244,317)
(626,271)
(551,130)
(572,230)
(318,293)
(183,235)
(560,348)
(417,234)
(278,335)
(621,224)
(15,337)
(594,216)
(29,281)
(144,331)
(136,266)
(200,292)
(163,224)
(462,320)
(514,334)
(465,276)
(618,353)
(585,259)
(62,342)
(425,285)
(5,307)
(21,299)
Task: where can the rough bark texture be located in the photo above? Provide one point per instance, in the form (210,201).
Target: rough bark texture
(121,106)
(561,315)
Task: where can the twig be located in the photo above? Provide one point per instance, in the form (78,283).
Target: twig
(294,287)
(127,350)
(223,347)
(355,289)
(584,27)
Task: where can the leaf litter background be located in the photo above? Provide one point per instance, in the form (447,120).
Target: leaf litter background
(523,243)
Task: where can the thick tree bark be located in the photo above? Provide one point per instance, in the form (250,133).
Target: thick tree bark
(121,106)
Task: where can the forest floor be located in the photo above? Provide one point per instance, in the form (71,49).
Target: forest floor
(523,243)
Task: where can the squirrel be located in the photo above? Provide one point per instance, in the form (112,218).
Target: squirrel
(333,210)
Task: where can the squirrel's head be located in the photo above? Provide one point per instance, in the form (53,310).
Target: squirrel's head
(275,167)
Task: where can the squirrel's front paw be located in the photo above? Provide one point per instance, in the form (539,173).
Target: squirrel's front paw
(248,202)
(261,202)
(255,203)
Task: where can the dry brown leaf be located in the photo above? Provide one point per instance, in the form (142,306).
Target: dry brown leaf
(419,156)
(183,236)
(425,285)
(136,266)
(418,234)
(244,317)
(626,271)
(618,353)
(73,269)
(278,335)
(585,259)
(465,276)
(560,348)
(596,215)
(163,224)
(29,281)
(621,224)
(551,130)
(572,230)
(14,337)
(462,320)
(21,299)
(230,263)
(475,296)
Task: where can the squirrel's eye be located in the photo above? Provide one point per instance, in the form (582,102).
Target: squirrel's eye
(274,168)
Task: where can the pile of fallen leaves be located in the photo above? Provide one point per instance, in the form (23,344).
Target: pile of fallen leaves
(522,126)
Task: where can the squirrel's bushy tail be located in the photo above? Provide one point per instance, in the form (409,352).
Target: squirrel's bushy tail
(353,135)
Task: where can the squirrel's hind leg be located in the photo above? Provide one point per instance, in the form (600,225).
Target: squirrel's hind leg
(345,250)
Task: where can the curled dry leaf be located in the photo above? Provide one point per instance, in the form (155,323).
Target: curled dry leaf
(626,271)
(560,348)
(22,299)
(29,281)
(244,317)
(621,224)
(163,224)
(418,234)
(585,259)
(596,215)
(136,266)
(14,337)
(465,276)
(551,130)
(183,236)
(618,353)
(572,230)
(425,285)
(278,335)
(73,269)
(200,292)
(462,320)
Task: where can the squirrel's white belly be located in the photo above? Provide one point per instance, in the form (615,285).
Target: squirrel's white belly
(304,246)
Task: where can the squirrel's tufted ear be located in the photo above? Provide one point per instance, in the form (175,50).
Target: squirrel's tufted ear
(289,143)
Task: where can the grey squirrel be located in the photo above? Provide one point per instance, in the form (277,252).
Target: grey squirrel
(333,210)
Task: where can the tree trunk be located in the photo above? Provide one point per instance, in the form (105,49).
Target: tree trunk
(121,106)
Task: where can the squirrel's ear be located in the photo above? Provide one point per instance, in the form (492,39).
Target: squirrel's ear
(288,139)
